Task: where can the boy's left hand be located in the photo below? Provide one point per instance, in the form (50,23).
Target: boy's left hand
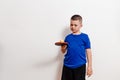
(89,71)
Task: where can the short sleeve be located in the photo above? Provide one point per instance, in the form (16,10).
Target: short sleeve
(66,38)
(87,42)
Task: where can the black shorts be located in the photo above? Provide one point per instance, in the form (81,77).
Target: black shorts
(74,74)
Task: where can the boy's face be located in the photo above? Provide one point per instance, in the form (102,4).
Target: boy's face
(75,26)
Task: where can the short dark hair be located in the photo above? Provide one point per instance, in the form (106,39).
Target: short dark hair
(76,17)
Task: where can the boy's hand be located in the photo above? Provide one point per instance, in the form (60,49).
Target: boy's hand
(63,48)
(89,71)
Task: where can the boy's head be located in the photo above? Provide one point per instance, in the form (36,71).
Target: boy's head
(76,24)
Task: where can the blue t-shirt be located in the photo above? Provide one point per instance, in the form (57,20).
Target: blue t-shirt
(76,50)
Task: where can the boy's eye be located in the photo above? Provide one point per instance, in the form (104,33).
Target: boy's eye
(75,25)
(71,25)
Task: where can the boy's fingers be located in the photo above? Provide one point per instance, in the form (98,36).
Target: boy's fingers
(89,72)
(63,46)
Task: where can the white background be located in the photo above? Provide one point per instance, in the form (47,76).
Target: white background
(29,29)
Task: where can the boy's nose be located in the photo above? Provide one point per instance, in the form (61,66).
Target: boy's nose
(73,27)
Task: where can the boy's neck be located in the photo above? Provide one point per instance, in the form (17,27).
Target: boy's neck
(77,33)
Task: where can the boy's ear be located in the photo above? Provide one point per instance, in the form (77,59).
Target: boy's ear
(81,25)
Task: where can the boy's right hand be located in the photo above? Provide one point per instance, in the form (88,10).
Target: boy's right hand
(63,48)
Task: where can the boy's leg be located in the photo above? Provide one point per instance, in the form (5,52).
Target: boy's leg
(67,74)
(79,73)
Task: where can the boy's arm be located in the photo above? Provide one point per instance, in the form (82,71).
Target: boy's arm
(89,60)
(63,48)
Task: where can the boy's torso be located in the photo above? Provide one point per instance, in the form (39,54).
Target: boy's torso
(76,54)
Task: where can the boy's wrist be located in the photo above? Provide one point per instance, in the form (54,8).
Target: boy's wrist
(89,65)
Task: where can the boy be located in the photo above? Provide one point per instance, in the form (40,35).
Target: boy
(78,49)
